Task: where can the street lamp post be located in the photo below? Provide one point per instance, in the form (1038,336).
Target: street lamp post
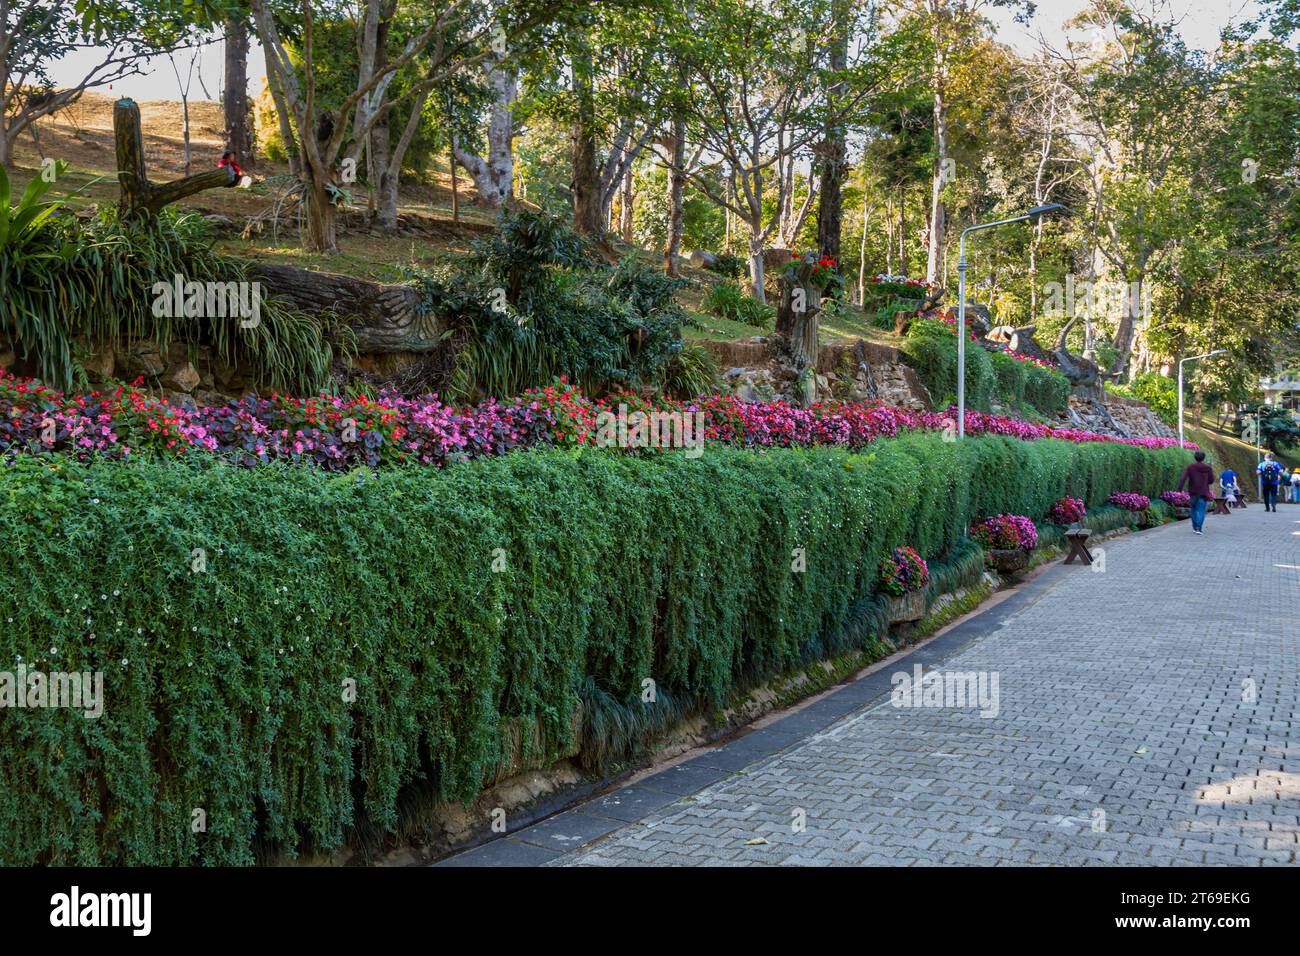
(1190,358)
(1035,213)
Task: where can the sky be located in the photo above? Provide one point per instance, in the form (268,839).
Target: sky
(1200,24)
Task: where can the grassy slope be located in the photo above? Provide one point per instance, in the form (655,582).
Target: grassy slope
(83,136)
(1224,450)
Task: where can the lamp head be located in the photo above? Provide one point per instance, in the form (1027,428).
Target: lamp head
(1047,209)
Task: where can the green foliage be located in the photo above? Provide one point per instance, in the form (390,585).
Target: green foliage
(727,301)
(528,306)
(64,279)
(225,689)
(1158,391)
(728,264)
(1047,391)
(1277,426)
(991,376)
(931,348)
(691,373)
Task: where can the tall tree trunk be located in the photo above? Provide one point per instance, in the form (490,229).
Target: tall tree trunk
(234,99)
(455,184)
(862,251)
(903,268)
(676,190)
(286,126)
(386,171)
(889,236)
(1124,331)
(941,150)
(756,277)
(830,205)
(322,223)
(626,207)
(494,177)
(587,218)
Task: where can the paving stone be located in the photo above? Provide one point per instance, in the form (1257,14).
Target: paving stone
(1120,692)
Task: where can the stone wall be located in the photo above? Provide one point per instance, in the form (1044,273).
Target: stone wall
(856,371)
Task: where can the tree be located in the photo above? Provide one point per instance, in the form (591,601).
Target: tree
(1138,101)
(121,34)
(234,98)
(458,37)
(753,97)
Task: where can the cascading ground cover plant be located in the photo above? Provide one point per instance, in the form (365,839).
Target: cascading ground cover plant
(223,689)
(903,571)
(1005,532)
(1066,511)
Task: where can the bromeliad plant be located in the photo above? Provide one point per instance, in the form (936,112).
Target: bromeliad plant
(903,572)
(1066,511)
(1130,500)
(1005,532)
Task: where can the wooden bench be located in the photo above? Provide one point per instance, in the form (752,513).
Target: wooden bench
(1221,506)
(1078,538)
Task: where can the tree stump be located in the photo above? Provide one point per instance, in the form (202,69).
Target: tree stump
(141,198)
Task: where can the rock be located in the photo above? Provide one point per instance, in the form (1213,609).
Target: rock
(219,223)
(99,366)
(182,376)
(734,372)
(141,358)
(7,359)
(179,399)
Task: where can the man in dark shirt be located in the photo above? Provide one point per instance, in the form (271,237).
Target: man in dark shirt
(1198,476)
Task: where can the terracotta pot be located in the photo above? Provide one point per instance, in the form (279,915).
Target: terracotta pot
(907,607)
(1009,560)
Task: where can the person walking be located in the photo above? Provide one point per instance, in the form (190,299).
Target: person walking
(1270,474)
(1198,476)
(1295,486)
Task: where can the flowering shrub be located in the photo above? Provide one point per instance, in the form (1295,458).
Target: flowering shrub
(1130,500)
(1176,499)
(1066,510)
(1005,533)
(339,433)
(903,571)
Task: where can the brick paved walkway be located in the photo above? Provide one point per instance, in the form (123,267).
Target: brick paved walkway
(1146,714)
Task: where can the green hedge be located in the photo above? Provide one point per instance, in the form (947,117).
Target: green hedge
(225,689)
(931,349)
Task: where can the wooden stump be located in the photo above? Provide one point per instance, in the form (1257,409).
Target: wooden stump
(141,198)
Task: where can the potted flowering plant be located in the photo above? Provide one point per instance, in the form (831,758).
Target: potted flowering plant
(903,576)
(1007,538)
(1066,511)
(1180,501)
(823,272)
(1138,504)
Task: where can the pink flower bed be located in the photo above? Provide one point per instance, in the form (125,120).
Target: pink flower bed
(340,433)
(1176,499)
